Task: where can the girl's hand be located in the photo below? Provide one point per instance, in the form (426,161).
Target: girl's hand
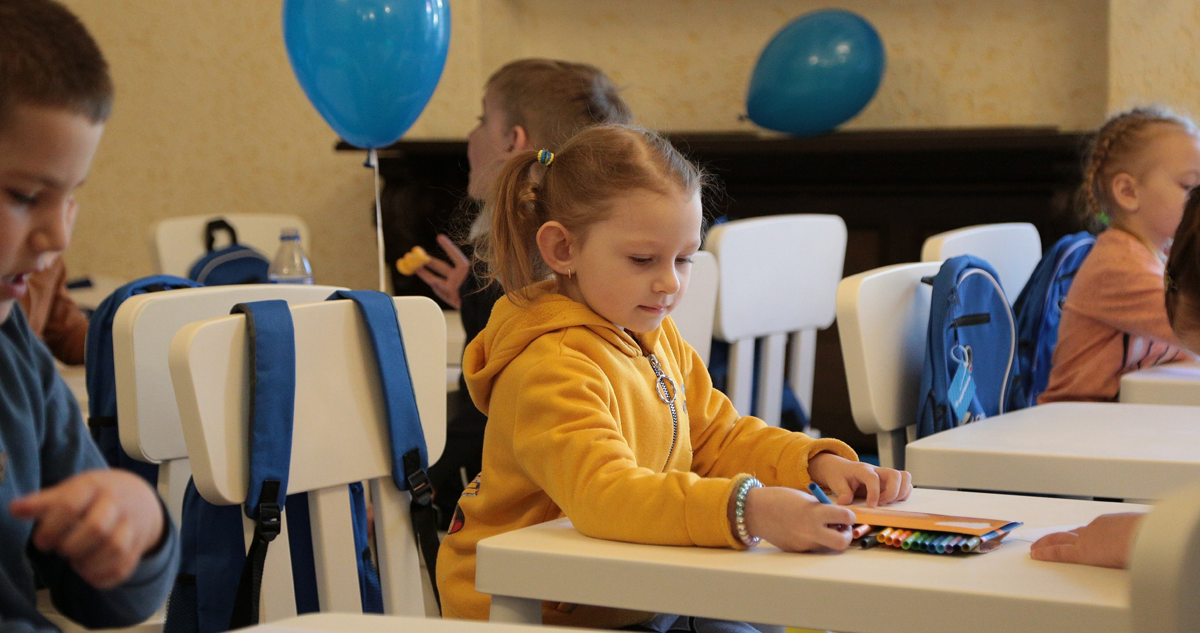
(847,480)
(1105,542)
(100,521)
(447,279)
(794,521)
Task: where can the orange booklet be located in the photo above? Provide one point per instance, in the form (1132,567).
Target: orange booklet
(933,533)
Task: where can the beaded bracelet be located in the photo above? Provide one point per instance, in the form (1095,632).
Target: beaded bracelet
(739,511)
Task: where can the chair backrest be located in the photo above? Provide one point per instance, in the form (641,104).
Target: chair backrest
(883,316)
(1165,568)
(695,314)
(179,242)
(340,436)
(778,276)
(146,408)
(1013,249)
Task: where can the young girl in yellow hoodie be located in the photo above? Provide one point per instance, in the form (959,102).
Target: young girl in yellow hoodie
(597,409)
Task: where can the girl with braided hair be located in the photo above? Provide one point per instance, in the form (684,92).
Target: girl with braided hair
(1140,169)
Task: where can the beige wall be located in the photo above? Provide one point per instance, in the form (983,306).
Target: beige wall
(209,117)
(1154,54)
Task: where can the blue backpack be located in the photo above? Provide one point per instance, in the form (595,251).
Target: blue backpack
(219,582)
(1038,311)
(101,376)
(234,264)
(970,348)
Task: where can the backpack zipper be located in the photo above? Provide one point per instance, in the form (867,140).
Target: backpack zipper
(667,396)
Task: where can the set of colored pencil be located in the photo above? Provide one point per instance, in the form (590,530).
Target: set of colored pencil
(931,542)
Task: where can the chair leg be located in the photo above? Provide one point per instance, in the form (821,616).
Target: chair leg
(891,448)
(740,383)
(770,378)
(802,362)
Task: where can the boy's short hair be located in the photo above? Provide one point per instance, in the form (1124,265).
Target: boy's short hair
(554,99)
(48,58)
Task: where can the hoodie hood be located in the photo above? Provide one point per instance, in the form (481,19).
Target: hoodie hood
(512,328)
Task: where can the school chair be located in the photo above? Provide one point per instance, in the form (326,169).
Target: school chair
(695,314)
(1013,249)
(883,315)
(147,413)
(1165,567)
(778,280)
(179,242)
(340,436)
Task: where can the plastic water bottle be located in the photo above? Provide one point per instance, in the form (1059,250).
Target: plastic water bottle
(290,266)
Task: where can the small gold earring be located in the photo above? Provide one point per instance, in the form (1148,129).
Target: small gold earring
(570,273)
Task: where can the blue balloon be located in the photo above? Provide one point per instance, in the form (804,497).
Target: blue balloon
(816,73)
(368,66)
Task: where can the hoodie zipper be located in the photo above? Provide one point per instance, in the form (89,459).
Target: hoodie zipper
(667,396)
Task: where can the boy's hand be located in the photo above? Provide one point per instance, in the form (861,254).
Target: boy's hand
(794,521)
(100,521)
(847,480)
(1105,542)
(447,279)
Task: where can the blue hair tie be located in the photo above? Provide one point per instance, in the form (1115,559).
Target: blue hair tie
(545,157)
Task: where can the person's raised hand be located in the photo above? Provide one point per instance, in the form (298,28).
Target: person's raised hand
(1105,542)
(794,521)
(447,278)
(100,521)
(848,480)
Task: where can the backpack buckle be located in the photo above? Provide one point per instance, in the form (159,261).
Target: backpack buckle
(270,521)
(418,486)
(270,515)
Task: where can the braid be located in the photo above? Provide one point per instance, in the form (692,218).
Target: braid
(1111,146)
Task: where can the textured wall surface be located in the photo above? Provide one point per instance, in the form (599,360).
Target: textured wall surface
(1154,54)
(686,63)
(209,117)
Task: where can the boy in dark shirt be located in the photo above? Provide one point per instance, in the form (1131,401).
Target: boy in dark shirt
(99,539)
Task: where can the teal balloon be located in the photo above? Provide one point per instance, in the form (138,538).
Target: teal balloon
(368,66)
(816,73)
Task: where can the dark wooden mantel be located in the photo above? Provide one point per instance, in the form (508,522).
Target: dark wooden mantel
(893,188)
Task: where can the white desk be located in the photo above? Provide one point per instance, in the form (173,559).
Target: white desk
(1177,383)
(867,591)
(1120,451)
(360,623)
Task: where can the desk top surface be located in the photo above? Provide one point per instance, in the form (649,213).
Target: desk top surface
(1119,451)
(1084,430)
(902,591)
(1187,373)
(365,623)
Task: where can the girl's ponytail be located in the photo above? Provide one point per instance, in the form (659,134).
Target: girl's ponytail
(509,249)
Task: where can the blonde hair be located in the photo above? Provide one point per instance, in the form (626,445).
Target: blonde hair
(592,168)
(1113,149)
(554,99)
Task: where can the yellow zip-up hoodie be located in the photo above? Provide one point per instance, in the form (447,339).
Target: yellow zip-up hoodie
(577,427)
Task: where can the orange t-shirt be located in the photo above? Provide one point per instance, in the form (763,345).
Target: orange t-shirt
(1114,321)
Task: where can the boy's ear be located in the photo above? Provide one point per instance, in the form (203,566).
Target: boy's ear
(519,140)
(1125,192)
(554,243)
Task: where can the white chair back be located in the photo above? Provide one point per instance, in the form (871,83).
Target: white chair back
(1013,249)
(339,437)
(1165,568)
(147,414)
(179,242)
(778,279)
(883,316)
(695,314)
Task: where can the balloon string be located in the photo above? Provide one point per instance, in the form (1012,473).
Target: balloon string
(373,161)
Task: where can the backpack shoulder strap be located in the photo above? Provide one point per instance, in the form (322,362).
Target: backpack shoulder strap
(410,458)
(272,349)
